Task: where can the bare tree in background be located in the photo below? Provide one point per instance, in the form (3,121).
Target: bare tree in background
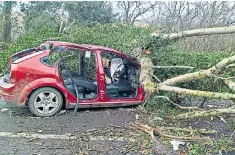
(184,15)
(131,10)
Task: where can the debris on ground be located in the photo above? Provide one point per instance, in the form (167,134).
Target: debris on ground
(62,112)
(4,110)
(176,144)
(156,118)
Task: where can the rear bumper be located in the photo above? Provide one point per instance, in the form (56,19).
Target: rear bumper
(9,93)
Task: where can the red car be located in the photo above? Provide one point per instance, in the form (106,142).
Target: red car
(79,75)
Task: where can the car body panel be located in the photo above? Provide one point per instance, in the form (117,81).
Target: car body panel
(29,73)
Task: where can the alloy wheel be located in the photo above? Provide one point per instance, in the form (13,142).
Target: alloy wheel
(46,102)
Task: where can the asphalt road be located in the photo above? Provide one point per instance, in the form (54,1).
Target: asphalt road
(21,133)
(89,131)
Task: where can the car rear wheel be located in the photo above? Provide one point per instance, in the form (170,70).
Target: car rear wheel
(45,102)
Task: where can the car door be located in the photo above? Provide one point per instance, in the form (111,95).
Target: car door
(122,92)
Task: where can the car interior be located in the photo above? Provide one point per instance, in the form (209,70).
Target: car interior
(123,74)
(82,66)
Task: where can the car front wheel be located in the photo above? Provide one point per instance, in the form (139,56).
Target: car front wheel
(45,102)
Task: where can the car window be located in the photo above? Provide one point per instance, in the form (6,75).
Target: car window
(53,58)
(71,58)
(82,62)
(90,65)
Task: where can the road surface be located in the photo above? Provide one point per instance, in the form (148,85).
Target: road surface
(86,132)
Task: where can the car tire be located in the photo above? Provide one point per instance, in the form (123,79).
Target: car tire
(45,102)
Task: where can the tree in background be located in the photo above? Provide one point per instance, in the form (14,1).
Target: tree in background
(131,11)
(50,14)
(90,13)
(167,16)
(183,15)
(1,23)
(6,8)
(40,15)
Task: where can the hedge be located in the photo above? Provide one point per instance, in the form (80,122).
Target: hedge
(125,38)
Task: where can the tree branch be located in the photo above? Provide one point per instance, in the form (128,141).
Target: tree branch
(169,67)
(198,32)
(177,105)
(162,132)
(206,94)
(212,112)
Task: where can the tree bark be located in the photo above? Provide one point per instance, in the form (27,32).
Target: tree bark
(145,74)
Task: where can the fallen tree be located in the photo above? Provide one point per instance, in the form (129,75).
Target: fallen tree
(216,71)
(196,32)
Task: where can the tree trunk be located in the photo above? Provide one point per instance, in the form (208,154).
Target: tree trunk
(62,18)
(145,75)
(197,32)
(7,25)
(149,86)
(7,28)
